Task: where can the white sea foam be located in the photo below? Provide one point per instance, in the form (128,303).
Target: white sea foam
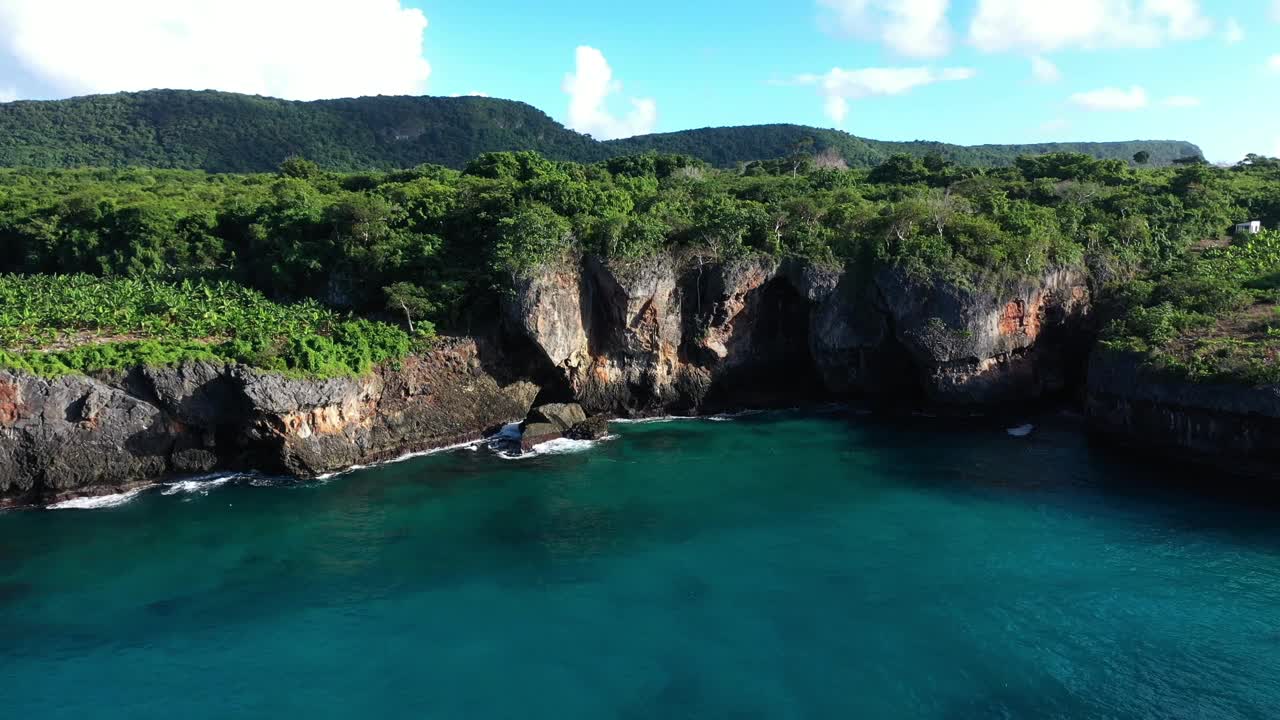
(200,484)
(565,446)
(559,446)
(469,445)
(510,431)
(653,420)
(1021,430)
(99,502)
(720,417)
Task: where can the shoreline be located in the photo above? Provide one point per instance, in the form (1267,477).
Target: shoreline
(997,422)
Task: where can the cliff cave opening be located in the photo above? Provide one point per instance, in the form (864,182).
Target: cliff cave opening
(892,379)
(769,361)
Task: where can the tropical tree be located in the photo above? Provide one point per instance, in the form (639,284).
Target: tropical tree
(410,299)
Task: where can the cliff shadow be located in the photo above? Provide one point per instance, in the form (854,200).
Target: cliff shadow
(755,345)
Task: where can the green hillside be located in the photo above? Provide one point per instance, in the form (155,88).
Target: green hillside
(226,132)
(726,146)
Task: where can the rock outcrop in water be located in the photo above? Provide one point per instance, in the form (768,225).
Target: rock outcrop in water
(658,336)
(78,434)
(550,422)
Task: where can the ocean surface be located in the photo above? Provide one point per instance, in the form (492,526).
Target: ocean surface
(788,565)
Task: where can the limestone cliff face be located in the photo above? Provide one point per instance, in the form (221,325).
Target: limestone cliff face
(981,347)
(658,336)
(1131,404)
(662,335)
(81,435)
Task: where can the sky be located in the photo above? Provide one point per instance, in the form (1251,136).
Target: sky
(961,71)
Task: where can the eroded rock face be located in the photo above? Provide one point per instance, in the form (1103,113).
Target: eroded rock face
(976,347)
(659,335)
(656,336)
(76,432)
(1128,403)
(78,435)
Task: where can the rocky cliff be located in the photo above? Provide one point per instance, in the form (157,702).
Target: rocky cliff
(75,435)
(658,336)
(664,335)
(1137,407)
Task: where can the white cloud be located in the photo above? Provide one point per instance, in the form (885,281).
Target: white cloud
(1044,71)
(837,109)
(1275,10)
(914,28)
(589,88)
(297,49)
(1112,99)
(1232,31)
(474,93)
(1181,101)
(1044,26)
(840,86)
(1273,63)
(8,94)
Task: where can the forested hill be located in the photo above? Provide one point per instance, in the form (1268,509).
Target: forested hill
(227,132)
(726,146)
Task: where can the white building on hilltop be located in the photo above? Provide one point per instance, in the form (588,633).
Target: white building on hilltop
(1252,227)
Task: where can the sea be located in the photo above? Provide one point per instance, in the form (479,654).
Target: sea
(801,564)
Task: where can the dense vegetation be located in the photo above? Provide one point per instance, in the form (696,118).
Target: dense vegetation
(1213,315)
(59,324)
(726,147)
(286,261)
(225,132)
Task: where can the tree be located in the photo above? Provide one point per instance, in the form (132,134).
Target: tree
(801,155)
(532,236)
(410,299)
(1142,157)
(899,169)
(296,166)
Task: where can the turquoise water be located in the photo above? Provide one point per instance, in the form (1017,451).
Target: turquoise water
(784,566)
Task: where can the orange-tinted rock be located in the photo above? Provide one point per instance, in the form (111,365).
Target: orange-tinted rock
(10,403)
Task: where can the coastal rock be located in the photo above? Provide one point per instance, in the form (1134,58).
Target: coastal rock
(1136,406)
(446,397)
(562,415)
(80,435)
(74,432)
(988,346)
(664,334)
(593,428)
(550,422)
(669,335)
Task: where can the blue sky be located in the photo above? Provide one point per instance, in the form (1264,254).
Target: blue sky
(964,71)
(707,64)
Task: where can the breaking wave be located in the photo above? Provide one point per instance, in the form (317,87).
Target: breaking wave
(201,484)
(1021,430)
(100,501)
(559,446)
